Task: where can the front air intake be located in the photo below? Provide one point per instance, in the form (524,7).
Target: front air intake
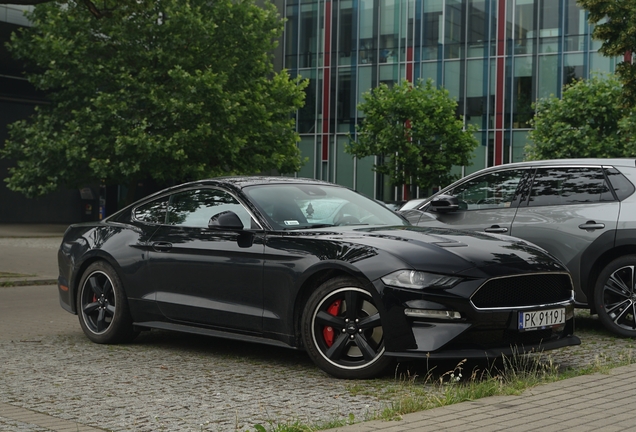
(523,290)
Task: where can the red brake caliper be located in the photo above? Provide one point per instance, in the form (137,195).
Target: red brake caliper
(328,332)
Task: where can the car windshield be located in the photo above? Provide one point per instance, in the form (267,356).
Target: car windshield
(300,206)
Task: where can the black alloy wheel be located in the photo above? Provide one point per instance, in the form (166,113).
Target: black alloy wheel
(102,307)
(342,331)
(615,296)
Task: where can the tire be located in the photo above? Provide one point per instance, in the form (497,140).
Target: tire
(102,306)
(615,296)
(342,331)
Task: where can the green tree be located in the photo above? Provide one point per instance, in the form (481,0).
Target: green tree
(616,27)
(163,89)
(588,121)
(414,127)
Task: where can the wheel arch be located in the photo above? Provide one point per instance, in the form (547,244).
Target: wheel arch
(99,255)
(316,278)
(597,267)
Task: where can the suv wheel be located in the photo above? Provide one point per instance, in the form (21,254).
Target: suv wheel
(615,296)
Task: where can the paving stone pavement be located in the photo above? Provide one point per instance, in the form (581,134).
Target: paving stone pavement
(53,379)
(163,381)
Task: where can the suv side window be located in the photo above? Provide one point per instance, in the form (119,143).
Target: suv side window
(194,208)
(575,185)
(493,190)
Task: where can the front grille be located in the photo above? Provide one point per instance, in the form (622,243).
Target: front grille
(524,290)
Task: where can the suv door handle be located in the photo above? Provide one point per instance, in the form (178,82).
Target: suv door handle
(162,246)
(496,229)
(591,225)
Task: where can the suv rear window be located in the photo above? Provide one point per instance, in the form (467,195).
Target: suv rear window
(559,186)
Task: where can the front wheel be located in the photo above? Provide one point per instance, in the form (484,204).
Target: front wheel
(615,296)
(102,306)
(342,331)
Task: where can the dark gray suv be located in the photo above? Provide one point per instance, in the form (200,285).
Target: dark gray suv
(582,211)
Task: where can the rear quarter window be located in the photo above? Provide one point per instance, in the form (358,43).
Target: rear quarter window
(621,186)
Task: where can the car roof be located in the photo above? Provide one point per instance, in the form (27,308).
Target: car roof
(231,182)
(622,162)
(241,182)
(581,161)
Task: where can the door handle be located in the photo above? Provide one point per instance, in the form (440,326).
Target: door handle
(496,229)
(591,225)
(162,246)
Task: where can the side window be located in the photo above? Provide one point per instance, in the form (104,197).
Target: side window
(153,212)
(194,208)
(622,187)
(493,190)
(559,186)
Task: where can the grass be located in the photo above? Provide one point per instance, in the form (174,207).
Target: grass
(408,392)
(509,376)
(11,275)
(17,279)
(9,284)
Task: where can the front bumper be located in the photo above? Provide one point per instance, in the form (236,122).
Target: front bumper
(488,353)
(468,332)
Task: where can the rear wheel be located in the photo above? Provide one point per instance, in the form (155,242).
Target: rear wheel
(615,296)
(102,306)
(342,331)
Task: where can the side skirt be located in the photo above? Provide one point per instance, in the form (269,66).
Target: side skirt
(209,332)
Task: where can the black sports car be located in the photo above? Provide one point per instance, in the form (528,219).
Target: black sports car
(311,265)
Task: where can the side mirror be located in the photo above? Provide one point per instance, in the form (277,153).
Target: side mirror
(444,204)
(226,220)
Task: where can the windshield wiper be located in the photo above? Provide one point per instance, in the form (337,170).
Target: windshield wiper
(304,227)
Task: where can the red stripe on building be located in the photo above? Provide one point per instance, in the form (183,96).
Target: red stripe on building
(500,86)
(409,64)
(326,83)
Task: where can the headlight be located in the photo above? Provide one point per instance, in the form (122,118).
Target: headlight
(419,280)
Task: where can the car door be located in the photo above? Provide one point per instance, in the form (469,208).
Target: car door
(487,202)
(565,211)
(205,276)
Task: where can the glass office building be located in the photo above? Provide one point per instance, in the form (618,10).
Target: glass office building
(496,57)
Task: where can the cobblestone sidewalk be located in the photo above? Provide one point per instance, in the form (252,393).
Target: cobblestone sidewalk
(173,382)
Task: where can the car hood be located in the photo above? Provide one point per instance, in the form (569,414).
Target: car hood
(451,251)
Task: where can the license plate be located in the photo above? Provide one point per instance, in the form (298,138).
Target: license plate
(533,320)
